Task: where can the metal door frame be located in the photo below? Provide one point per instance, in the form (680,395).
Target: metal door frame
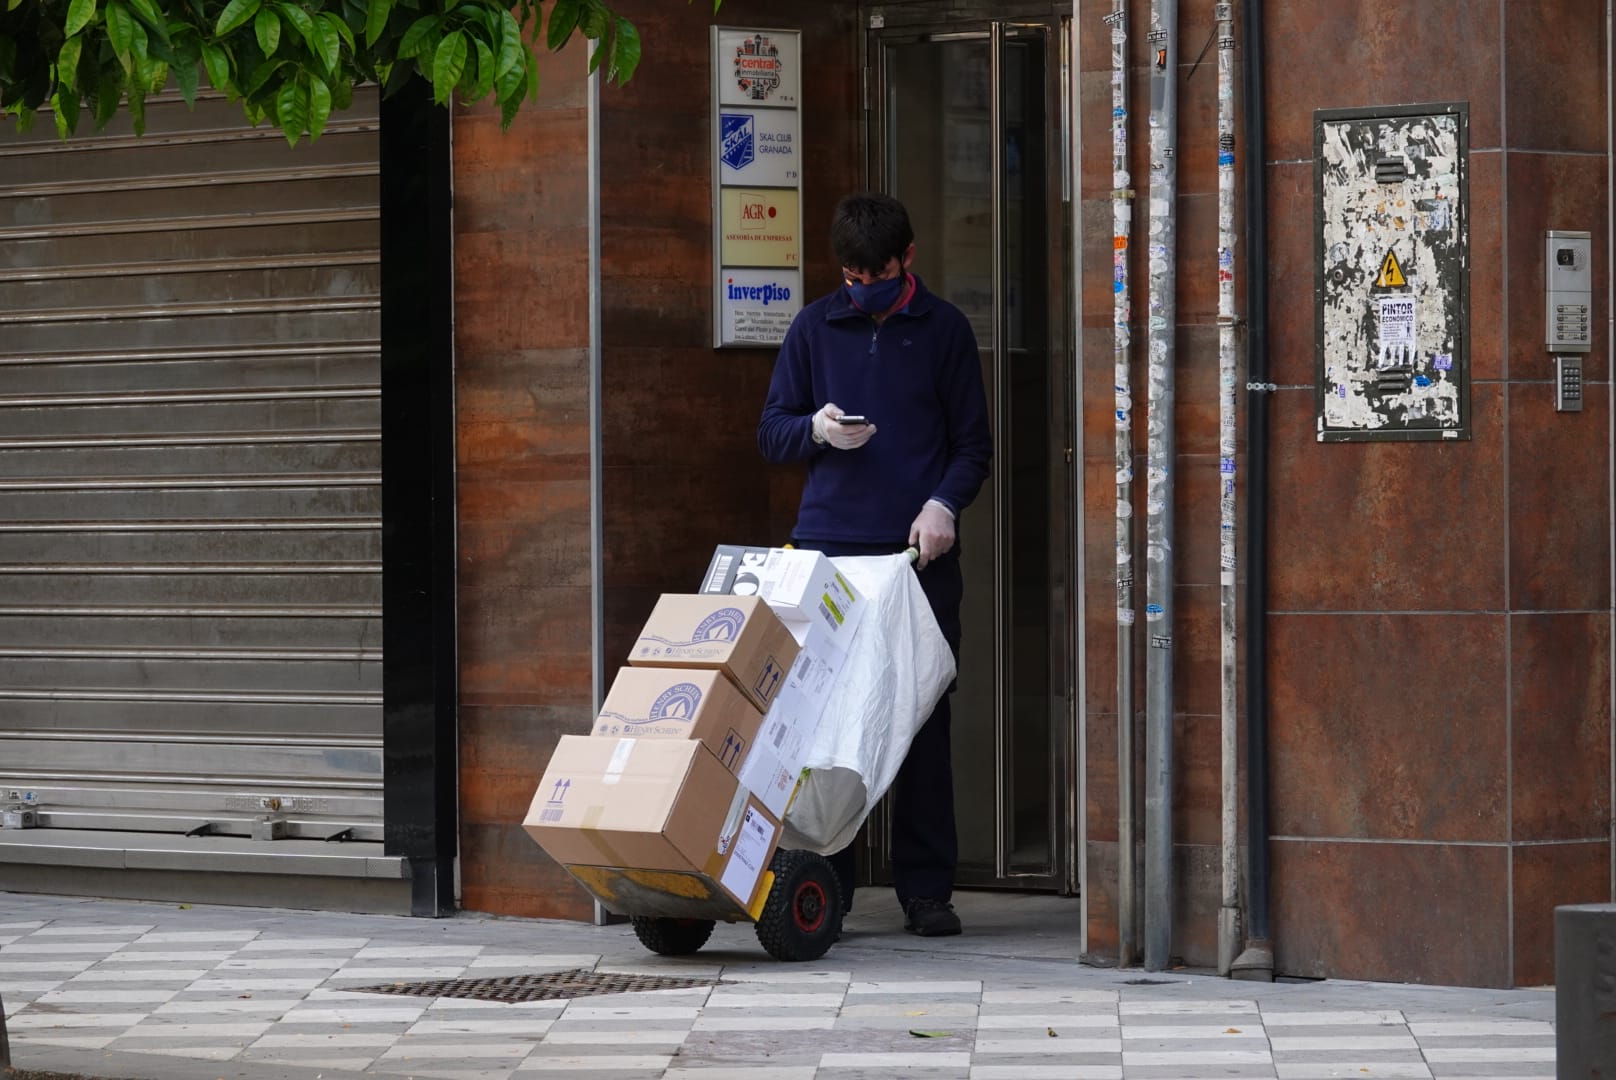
(914,24)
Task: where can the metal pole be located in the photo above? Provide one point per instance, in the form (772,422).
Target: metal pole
(1159,488)
(1122,229)
(1229,913)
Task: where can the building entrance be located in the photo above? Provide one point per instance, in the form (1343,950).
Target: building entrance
(968,120)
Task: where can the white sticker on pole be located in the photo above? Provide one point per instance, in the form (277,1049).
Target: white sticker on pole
(1398,337)
(756,306)
(752,844)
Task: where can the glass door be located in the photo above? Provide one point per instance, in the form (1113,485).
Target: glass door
(968,128)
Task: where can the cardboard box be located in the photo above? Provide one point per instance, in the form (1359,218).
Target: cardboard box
(738,635)
(802,586)
(653,805)
(681,703)
(780,750)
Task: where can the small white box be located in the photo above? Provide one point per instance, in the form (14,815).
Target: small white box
(803,587)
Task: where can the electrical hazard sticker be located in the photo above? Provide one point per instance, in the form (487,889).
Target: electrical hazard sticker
(1391,273)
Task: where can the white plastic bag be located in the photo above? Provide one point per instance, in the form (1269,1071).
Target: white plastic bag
(898,667)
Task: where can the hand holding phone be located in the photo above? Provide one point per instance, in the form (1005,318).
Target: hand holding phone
(851,421)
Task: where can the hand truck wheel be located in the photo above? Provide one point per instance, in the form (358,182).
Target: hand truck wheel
(672,937)
(803,916)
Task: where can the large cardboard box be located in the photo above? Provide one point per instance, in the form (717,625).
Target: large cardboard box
(778,754)
(659,805)
(802,586)
(681,703)
(738,635)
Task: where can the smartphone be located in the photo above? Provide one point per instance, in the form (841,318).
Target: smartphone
(851,421)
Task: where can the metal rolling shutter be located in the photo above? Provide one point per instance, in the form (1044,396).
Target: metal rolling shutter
(190,468)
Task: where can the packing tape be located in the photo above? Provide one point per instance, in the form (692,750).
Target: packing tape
(618,761)
(761,897)
(732,820)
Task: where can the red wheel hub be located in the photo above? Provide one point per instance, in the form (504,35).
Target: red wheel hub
(809,906)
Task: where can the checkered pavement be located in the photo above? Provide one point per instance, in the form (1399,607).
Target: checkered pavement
(264,995)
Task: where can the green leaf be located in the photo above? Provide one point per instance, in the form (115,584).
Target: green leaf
(325,43)
(121,32)
(596,20)
(563,21)
(342,29)
(508,84)
(602,49)
(447,65)
(66,107)
(301,20)
(319,106)
(186,75)
(67,63)
(267,28)
(532,71)
(80,13)
(262,74)
(376,20)
(107,97)
(292,110)
(485,72)
(137,108)
(235,14)
(154,76)
(342,96)
(146,11)
(511,46)
(507,111)
(13,5)
(217,61)
(418,35)
(625,51)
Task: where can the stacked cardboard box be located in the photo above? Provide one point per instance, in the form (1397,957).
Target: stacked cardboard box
(647,811)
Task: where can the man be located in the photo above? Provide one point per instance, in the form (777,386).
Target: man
(878,388)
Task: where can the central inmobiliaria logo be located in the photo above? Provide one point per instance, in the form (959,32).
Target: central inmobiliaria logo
(758,67)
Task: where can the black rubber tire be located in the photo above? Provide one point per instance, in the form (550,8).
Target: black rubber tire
(672,937)
(802,918)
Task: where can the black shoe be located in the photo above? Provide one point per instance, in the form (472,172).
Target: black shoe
(929,917)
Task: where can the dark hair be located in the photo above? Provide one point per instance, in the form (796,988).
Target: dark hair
(869,230)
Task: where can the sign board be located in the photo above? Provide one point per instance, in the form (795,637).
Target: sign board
(758,147)
(757,185)
(1392,284)
(757,305)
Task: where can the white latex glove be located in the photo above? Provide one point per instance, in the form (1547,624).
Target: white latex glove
(840,436)
(932,532)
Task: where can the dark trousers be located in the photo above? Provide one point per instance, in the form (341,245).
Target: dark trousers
(925,847)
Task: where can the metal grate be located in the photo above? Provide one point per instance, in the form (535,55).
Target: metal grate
(550,986)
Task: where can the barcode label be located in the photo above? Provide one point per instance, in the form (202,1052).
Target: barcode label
(779,735)
(551,814)
(715,580)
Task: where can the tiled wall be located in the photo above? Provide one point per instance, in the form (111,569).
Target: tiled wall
(1439,629)
(522,387)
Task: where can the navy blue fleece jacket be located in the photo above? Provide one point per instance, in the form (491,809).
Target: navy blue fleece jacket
(917,376)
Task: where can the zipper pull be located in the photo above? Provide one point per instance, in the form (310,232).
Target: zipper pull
(873,334)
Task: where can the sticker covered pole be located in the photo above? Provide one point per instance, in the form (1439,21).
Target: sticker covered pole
(1229,910)
(1122,315)
(1159,487)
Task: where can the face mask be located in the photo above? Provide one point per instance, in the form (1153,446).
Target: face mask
(879,296)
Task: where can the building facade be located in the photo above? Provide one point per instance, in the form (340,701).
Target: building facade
(458,390)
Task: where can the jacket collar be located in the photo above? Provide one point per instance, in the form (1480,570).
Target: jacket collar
(841,304)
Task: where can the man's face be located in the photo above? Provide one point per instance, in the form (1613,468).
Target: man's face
(892,269)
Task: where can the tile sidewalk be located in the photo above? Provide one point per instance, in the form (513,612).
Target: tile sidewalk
(159,992)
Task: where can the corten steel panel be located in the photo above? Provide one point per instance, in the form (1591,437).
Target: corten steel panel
(1424,913)
(1559,537)
(522,433)
(1560,725)
(190,572)
(1548,876)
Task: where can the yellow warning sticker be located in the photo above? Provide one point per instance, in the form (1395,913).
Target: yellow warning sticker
(1391,274)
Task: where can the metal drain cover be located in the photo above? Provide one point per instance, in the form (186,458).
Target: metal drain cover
(550,986)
